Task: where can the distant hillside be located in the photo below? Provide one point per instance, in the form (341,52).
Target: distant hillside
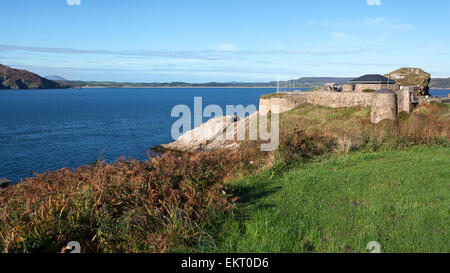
(21,79)
(440,83)
(18,81)
(55,78)
(319,81)
(305,82)
(322,80)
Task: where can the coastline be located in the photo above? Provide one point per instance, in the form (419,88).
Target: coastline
(187,87)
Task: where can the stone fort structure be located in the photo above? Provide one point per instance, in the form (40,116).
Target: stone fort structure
(384,103)
(370,82)
(386,97)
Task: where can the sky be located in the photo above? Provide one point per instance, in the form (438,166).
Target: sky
(223,40)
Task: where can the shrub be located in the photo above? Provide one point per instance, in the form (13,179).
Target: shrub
(427,125)
(157,205)
(440,104)
(304,144)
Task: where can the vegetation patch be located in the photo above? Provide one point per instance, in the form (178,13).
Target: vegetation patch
(397,198)
(440,104)
(275,95)
(314,89)
(159,205)
(293,199)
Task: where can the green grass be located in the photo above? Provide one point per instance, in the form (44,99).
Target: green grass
(399,198)
(440,104)
(274,95)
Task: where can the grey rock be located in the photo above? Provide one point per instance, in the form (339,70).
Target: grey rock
(4,182)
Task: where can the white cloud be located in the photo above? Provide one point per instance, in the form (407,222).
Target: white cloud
(378,23)
(340,35)
(383,23)
(200,56)
(73,2)
(374,2)
(226,47)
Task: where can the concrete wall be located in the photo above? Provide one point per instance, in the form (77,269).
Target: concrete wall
(383,105)
(404,98)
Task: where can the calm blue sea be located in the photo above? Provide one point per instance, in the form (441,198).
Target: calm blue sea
(44,130)
(441,93)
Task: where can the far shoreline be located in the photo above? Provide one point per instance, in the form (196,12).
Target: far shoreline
(171,87)
(167,87)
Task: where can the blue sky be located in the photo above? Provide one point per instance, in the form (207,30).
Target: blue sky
(223,40)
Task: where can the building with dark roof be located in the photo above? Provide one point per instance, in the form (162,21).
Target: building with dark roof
(370,82)
(373,78)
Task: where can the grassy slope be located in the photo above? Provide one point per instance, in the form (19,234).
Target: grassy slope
(166,204)
(400,199)
(341,121)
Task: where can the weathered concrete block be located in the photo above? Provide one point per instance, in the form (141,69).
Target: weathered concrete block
(264,105)
(404,98)
(384,106)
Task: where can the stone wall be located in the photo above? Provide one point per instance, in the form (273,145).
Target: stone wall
(284,104)
(338,100)
(374,86)
(383,105)
(347,87)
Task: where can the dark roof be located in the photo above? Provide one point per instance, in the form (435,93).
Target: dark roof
(373,78)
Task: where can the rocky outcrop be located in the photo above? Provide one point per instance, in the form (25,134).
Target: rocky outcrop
(4,182)
(412,77)
(212,135)
(21,79)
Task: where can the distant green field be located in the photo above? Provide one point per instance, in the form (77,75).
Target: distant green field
(400,199)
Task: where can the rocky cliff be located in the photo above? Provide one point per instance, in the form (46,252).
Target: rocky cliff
(21,79)
(212,135)
(412,77)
